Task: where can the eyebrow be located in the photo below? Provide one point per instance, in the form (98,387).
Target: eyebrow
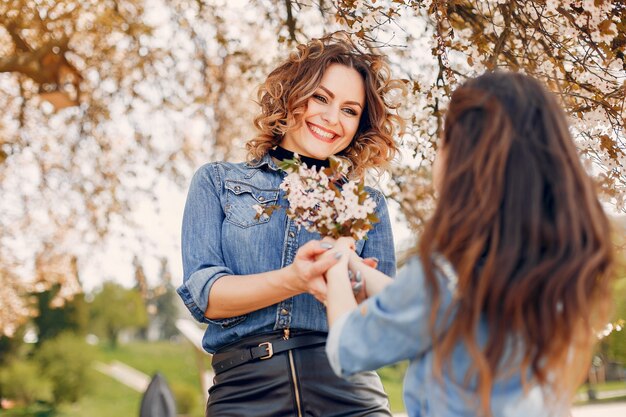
(330,93)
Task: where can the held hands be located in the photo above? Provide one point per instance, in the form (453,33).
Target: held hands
(315,258)
(345,248)
(311,262)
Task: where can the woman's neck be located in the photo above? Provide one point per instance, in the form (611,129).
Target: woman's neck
(281,154)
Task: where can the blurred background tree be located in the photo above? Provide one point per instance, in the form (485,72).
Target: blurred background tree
(115,309)
(105,101)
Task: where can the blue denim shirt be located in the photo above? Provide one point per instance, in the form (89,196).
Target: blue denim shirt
(394,326)
(220,236)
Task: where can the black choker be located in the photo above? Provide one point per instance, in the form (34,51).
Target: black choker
(281,153)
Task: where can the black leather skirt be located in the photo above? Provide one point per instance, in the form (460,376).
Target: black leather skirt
(292,383)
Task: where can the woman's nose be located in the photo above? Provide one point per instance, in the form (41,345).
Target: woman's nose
(331,115)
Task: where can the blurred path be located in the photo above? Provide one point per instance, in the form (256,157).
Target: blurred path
(600,410)
(123,373)
(133,378)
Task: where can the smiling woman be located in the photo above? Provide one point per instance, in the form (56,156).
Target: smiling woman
(332,115)
(329,87)
(257,281)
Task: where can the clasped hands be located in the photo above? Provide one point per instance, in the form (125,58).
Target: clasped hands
(315,258)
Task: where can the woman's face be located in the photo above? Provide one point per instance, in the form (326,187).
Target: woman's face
(332,115)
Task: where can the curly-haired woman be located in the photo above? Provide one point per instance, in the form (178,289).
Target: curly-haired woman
(497,309)
(257,282)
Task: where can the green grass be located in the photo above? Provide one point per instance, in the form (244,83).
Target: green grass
(605,386)
(392,378)
(603,401)
(36,410)
(107,398)
(175,361)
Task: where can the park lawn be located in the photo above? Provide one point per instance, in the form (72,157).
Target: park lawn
(107,398)
(392,378)
(175,361)
(605,386)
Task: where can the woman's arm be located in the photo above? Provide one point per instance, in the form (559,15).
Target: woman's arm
(392,325)
(210,289)
(340,298)
(234,295)
(374,280)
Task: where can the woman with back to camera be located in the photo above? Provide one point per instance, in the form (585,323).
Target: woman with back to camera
(255,280)
(497,309)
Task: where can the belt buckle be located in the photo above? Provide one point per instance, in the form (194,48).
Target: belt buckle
(269,348)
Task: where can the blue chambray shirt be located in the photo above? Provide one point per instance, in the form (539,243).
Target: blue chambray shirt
(394,325)
(220,236)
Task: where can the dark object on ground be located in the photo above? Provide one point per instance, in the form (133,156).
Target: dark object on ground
(158,400)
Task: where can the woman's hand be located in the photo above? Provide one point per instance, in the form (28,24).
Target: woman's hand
(309,266)
(347,244)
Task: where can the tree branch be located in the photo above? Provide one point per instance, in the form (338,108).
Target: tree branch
(20,43)
(291,21)
(30,63)
(499,46)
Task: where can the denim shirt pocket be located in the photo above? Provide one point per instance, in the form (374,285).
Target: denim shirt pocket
(241,197)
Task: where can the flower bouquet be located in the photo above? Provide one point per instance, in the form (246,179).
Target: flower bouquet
(325,201)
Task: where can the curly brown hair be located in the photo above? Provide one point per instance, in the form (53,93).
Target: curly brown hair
(520,221)
(284,95)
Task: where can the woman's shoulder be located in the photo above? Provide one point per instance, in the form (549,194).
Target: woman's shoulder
(226,168)
(224,165)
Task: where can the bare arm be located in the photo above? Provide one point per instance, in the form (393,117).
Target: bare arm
(340,298)
(234,295)
(375,280)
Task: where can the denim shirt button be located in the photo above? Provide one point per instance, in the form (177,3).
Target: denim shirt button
(292,235)
(284,312)
(261,199)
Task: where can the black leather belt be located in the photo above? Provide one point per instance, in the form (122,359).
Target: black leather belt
(227,360)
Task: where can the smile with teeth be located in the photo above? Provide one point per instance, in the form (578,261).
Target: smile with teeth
(321,133)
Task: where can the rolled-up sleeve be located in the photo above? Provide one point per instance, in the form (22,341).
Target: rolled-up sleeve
(379,243)
(201,245)
(387,328)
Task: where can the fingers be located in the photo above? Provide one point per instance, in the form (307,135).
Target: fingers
(318,289)
(324,263)
(313,248)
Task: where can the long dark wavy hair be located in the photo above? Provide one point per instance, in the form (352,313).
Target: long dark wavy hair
(284,95)
(519,219)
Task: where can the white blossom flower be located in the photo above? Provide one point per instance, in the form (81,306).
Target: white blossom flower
(335,209)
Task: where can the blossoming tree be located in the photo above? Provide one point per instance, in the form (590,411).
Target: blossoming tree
(102,99)
(577,47)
